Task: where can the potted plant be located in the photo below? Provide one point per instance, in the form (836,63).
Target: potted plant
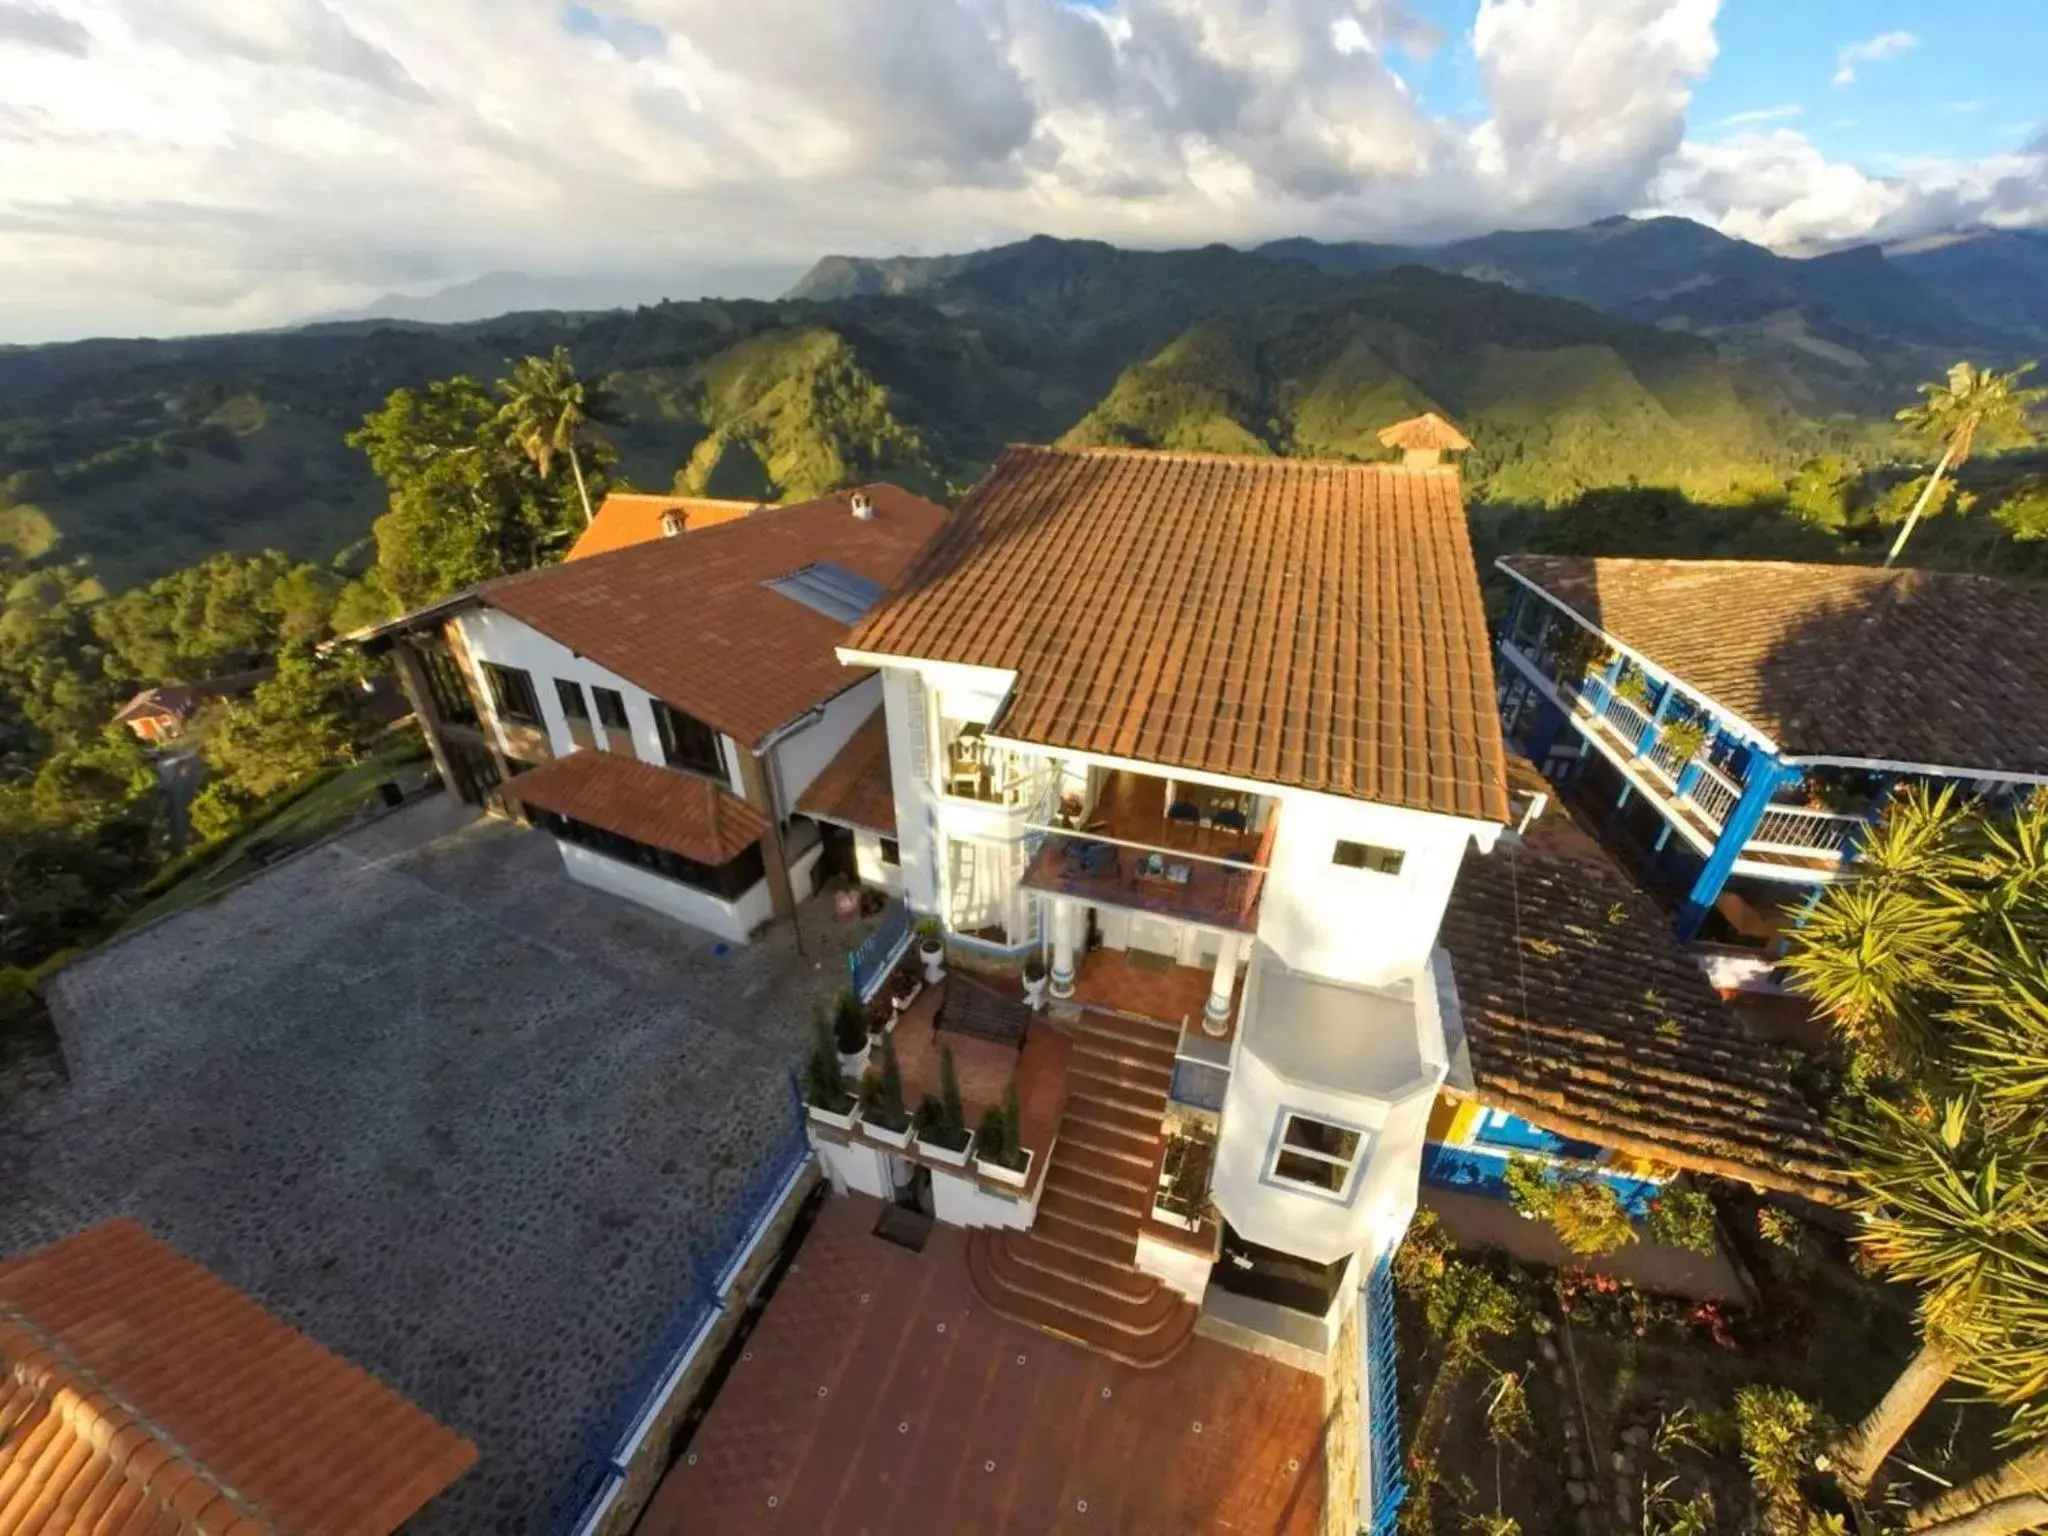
(1182,1198)
(825,1092)
(850,1034)
(1684,740)
(941,1121)
(904,987)
(1034,982)
(883,1114)
(999,1150)
(931,949)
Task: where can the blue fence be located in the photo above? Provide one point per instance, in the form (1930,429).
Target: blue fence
(1485,1173)
(708,1271)
(879,951)
(1199,1084)
(1385,1463)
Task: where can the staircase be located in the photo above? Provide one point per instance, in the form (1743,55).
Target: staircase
(1074,1274)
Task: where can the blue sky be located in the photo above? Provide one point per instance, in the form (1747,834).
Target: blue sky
(1974,82)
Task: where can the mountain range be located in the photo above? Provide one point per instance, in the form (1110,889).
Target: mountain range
(1652,352)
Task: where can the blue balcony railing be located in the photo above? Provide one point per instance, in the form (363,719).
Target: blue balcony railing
(1387,1477)
(876,955)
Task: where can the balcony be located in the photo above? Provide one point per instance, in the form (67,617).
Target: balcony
(1198,861)
(1694,792)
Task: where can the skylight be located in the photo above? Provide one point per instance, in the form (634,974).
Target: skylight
(830,589)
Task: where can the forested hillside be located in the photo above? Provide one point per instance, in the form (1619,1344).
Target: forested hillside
(173,510)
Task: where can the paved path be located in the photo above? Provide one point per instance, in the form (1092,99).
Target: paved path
(457,1117)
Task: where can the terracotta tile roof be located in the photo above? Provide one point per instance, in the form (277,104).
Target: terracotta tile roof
(689,620)
(175,701)
(140,1393)
(856,788)
(630,517)
(1428,430)
(1585,1015)
(1834,660)
(660,807)
(1282,620)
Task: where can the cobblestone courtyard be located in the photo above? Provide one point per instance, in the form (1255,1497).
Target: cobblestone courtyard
(443,1109)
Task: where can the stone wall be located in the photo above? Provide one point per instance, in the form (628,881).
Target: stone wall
(1344,1430)
(656,1449)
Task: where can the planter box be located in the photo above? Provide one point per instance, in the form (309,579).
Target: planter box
(900,1005)
(856,1065)
(837,1122)
(1175,1220)
(940,1154)
(888,1138)
(1016,1178)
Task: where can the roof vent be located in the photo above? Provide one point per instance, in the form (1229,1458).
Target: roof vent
(671,524)
(863,506)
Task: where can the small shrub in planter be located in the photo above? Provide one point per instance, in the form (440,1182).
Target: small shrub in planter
(823,1090)
(883,1111)
(999,1149)
(849,1025)
(1685,740)
(941,1118)
(904,986)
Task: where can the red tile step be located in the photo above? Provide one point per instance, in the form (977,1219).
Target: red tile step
(1117,1280)
(1157,1337)
(1078,1211)
(1101,1167)
(1118,1082)
(1141,1314)
(1146,1073)
(1127,1197)
(1141,1124)
(1137,1035)
(1083,1239)
(1138,1152)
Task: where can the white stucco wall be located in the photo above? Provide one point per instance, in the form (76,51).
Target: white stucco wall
(855,1165)
(914,831)
(1181,1268)
(963,1203)
(731,921)
(1356,925)
(868,865)
(498,637)
(801,756)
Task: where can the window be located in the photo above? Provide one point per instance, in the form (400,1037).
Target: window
(891,854)
(611,708)
(512,693)
(571,696)
(1381,861)
(687,742)
(728,881)
(450,693)
(1317,1155)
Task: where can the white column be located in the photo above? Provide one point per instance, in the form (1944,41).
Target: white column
(1064,913)
(1216,1012)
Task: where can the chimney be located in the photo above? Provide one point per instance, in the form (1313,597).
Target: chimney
(1424,440)
(863,506)
(671,524)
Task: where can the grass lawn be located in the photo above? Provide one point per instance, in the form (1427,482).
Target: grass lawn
(1630,1399)
(330,803)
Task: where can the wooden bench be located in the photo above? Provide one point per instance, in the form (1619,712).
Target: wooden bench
(968,1008)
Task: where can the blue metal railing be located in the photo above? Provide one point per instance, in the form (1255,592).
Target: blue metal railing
(1199,1084)
(1384,1461)
(873,958)
(708,1270)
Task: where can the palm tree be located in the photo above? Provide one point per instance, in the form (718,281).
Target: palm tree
(1973,400)
(549,410)
(1957,1204)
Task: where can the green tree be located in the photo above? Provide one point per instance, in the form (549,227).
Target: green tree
(465,506)
(1972,402)
(548,410)
(299,722)
(228,612)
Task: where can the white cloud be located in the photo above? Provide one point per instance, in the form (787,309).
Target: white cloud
(198,164)
(35,26)
(1760,115)
(1873,50)
(1779,190)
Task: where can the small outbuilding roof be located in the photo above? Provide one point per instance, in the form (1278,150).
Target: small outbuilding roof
(857,789)
(1428,430)
(660,807)
(1585,1015)
(635,517)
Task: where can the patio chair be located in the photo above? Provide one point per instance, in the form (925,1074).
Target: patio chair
(1185,813)
(1231,821)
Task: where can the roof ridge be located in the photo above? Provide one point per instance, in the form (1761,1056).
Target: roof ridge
(1199,456)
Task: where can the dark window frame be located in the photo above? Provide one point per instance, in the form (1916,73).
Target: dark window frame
(892,853)
(687,742)
(446,686)
(512,695)
(600,698)
(575,703)
(1370,857)
(728,881)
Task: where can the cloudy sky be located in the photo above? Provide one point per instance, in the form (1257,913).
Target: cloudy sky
(184,165)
